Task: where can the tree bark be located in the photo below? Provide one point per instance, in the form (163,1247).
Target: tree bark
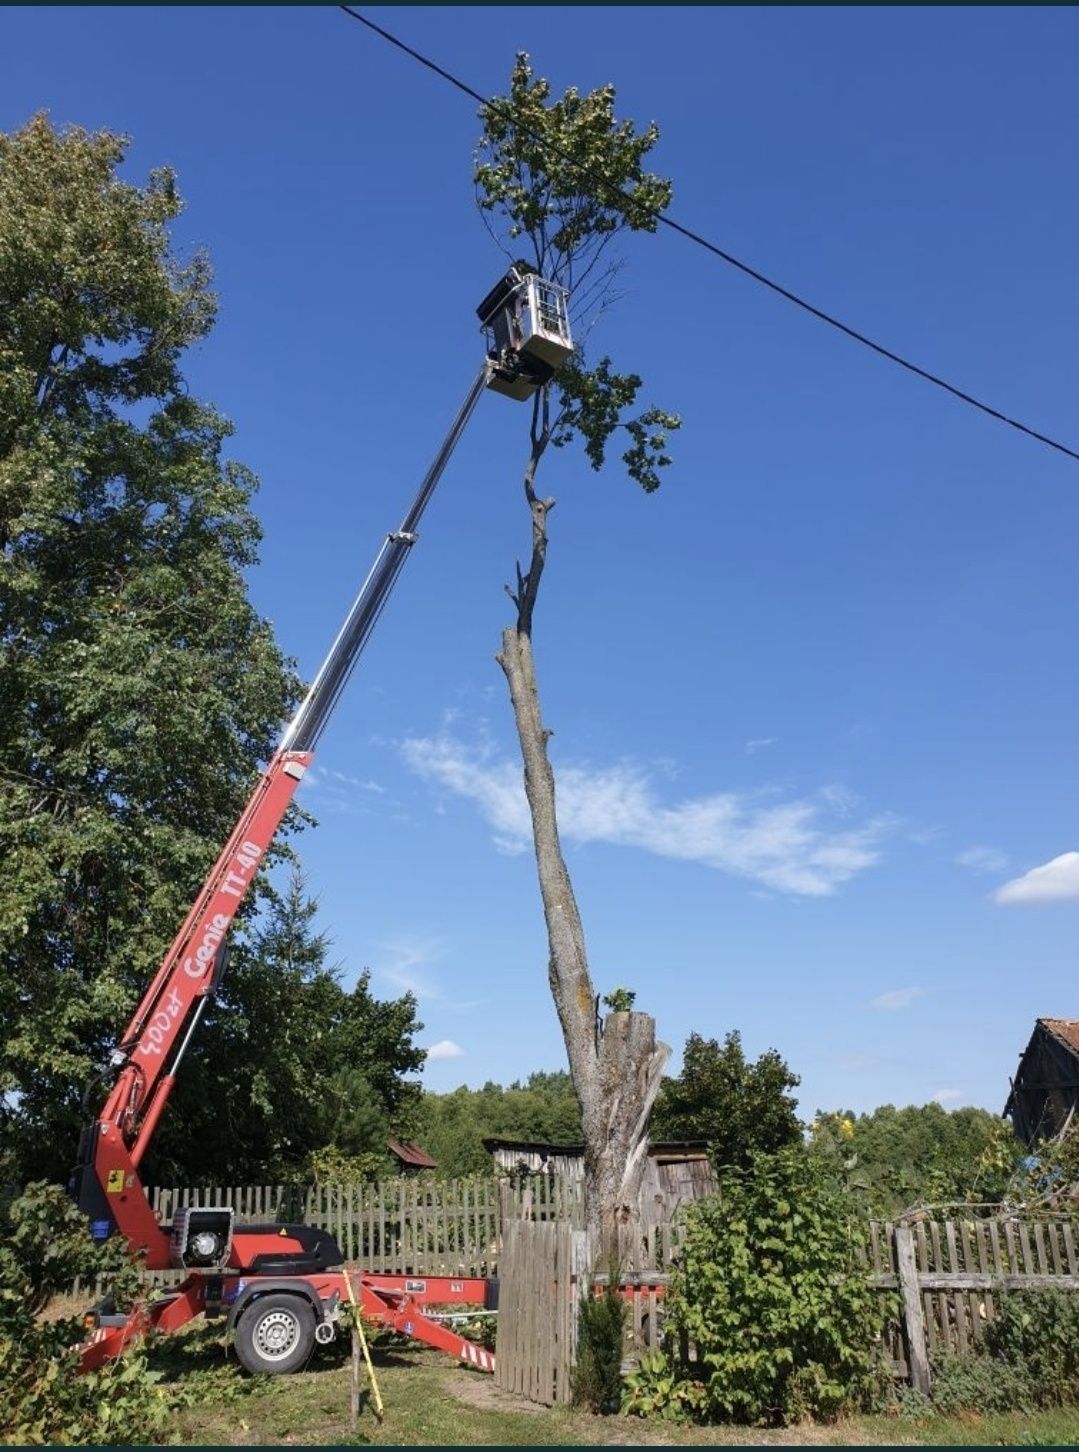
(616,1065)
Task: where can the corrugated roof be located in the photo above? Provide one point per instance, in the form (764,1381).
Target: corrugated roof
(1065,1029)
(411,1154)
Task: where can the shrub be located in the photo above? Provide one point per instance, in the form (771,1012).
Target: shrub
(771,1290)
(597,1377)
(44,1244)
(980,1383)
(656,1389)
(1037,1332)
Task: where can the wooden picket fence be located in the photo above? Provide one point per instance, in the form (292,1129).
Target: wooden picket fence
(951,1274)
(542,1276)
(403,1226)
(410,1226)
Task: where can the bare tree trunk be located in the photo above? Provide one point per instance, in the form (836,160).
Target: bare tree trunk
(616,1066)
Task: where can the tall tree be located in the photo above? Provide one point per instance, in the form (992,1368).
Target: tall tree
(290,1072)
(560,179)
(740,1108)
(140,687)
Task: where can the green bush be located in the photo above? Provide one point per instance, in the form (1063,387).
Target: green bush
(656,1389)
(597,1377)
(44,1245)
(980,1383)
(1037,1332)
(772,1292)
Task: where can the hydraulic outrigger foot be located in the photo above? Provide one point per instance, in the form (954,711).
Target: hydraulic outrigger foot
(278,1320)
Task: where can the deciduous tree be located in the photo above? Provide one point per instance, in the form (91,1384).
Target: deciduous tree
(740,1108)
(559,180)
(894,1158)
(140,687)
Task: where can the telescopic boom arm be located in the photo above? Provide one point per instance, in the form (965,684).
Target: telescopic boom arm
(157,1037)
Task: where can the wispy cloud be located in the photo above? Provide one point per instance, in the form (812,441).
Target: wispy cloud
(444,1049)
(792,846)
(326,790)
(983,859)
(946,1096)
(896,998)
(365,785)
(758,743)
(406,961)
(1054,881)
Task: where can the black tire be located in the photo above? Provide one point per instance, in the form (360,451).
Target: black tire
(275,1334)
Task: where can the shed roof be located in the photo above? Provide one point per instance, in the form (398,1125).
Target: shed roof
(411,1154)
(1065,1029)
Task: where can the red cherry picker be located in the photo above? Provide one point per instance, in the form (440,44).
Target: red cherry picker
(279,1287)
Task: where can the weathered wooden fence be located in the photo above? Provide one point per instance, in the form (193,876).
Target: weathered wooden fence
(410,1226)
(542,1274)
(950,1275)
(403,1226)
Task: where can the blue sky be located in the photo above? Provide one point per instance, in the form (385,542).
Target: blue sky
(814,702)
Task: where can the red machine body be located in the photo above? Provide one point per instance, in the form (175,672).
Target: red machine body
(152,1043)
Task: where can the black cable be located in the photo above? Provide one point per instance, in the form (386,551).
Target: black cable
(744,267)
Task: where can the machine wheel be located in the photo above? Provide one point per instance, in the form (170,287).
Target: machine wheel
(275,1334)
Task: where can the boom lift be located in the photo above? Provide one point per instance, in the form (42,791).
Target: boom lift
(280,1285)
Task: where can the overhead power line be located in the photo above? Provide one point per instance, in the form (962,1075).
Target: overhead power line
(617,198)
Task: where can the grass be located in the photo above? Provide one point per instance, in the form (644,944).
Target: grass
(430,1402)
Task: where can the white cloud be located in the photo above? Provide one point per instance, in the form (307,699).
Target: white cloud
(945,1096)
(325,790)
(758,743)
(399,958)
(788,846)
(444,1049)
(983,859)
(363,784)
(1054,881)
(896,998)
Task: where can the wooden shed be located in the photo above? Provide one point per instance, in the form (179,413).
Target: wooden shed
(411,1157)
(677,1172)
(1045,1091)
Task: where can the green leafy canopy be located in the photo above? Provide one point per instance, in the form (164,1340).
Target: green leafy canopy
(739,1107)
(565,177)
(140,687)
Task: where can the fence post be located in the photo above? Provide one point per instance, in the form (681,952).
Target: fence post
(913,1319)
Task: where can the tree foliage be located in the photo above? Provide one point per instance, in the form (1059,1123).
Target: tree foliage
(140,687)
(740,1108)
(561,179)
(292,1075)
(452,1127)
(894,1158)
(44,1244)
(601,1323)
(771,1290)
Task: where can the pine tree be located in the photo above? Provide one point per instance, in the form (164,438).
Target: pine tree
(291,1075)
